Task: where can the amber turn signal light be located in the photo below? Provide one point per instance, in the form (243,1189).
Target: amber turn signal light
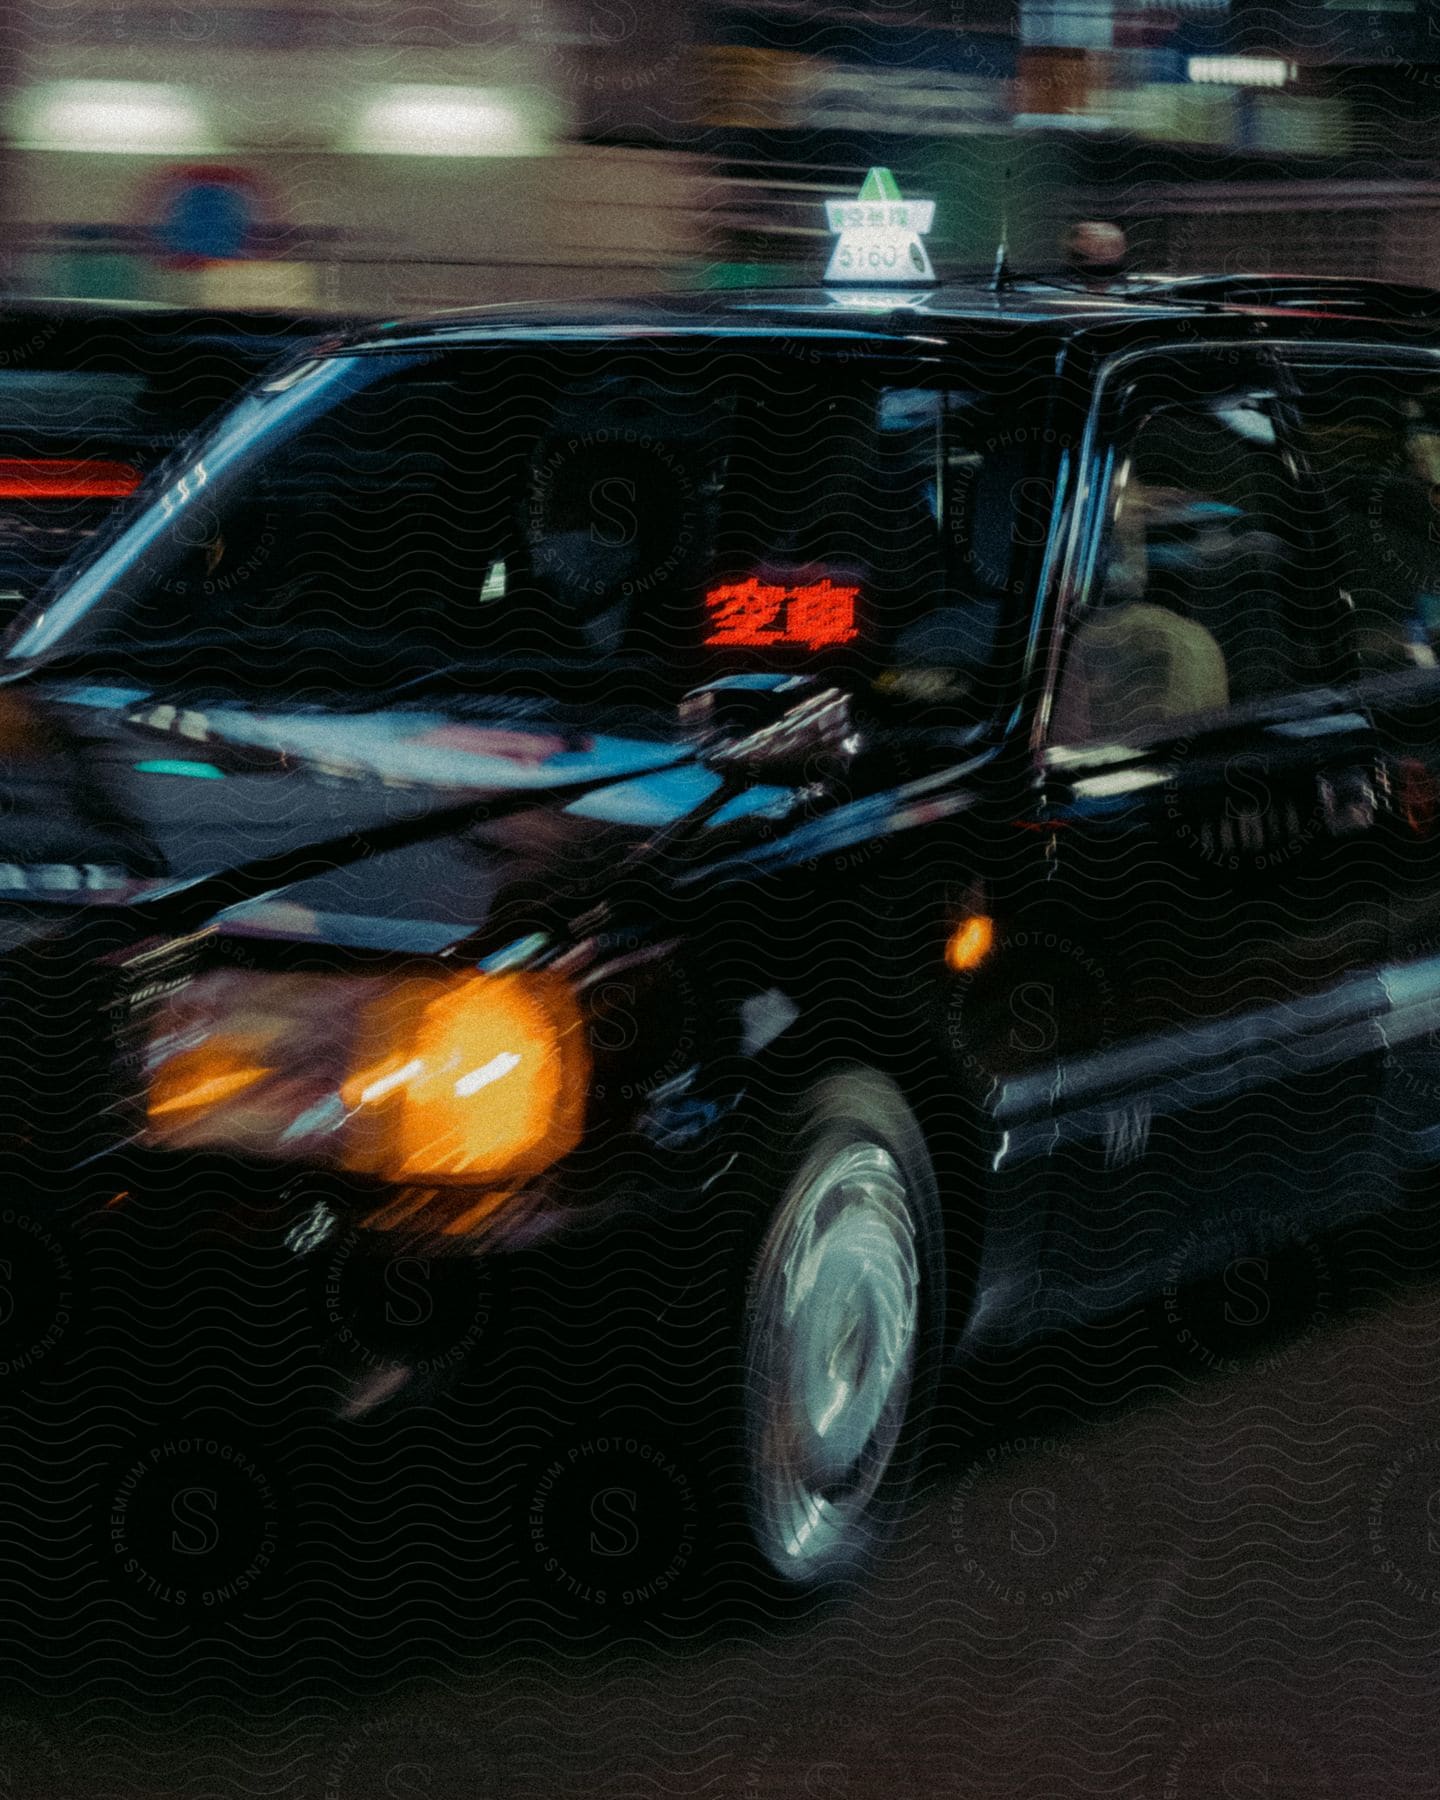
(970,943)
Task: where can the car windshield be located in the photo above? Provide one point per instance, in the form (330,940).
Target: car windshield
(577,506)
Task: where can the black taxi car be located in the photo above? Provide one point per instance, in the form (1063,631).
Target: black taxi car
(888,821)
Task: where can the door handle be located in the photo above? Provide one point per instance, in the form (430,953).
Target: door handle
(1347,801)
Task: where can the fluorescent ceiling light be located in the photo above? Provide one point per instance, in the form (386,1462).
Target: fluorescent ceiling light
(145,117)
(444,121)
(1241,71)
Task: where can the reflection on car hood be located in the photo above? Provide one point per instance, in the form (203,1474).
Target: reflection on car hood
(113,794)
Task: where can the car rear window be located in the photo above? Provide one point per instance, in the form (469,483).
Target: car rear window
(1373,437)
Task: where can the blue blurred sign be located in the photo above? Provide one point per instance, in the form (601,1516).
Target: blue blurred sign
(204,215)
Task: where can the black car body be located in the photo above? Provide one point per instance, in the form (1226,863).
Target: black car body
(964,764)
(93,394)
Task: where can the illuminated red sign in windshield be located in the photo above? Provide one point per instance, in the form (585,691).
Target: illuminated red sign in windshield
(755,614)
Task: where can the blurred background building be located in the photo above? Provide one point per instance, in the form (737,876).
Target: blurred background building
(395,154)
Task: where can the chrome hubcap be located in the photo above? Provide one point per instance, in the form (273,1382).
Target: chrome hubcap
(832,1352)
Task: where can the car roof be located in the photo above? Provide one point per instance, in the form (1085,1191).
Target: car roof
(77,323)
(1150,306)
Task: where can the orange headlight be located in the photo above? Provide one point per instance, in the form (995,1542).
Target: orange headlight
(461,1079)
(480,1080)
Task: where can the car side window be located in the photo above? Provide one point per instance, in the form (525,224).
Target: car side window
(1373,437)
(1202,595)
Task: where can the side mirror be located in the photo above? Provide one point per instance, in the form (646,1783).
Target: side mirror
(790,730)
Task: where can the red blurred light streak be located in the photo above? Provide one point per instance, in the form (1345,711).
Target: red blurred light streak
(65,478)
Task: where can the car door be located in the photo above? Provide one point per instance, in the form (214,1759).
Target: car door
(1368,421)
(1200,872)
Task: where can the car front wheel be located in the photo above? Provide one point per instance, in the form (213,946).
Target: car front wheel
(843,1329)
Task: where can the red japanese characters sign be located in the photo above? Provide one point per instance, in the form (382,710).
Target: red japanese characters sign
(754,614)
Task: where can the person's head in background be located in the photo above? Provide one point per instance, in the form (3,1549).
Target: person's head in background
(1095,249)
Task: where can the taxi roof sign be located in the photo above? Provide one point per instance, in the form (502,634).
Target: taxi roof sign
(878,234)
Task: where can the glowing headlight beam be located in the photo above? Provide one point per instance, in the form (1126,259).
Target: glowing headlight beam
(375,1077)
(490,1071)
(378,1089)
(210,1091)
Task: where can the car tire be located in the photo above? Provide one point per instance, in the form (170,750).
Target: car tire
(676,1363)
(842,1328)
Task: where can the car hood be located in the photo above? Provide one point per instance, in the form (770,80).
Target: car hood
(400,827)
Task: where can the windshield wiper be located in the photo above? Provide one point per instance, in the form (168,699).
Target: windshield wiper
(501,673)
(386,679)
(122,654)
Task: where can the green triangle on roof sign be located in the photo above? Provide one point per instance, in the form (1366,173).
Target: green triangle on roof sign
(878,234)
(879,184)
